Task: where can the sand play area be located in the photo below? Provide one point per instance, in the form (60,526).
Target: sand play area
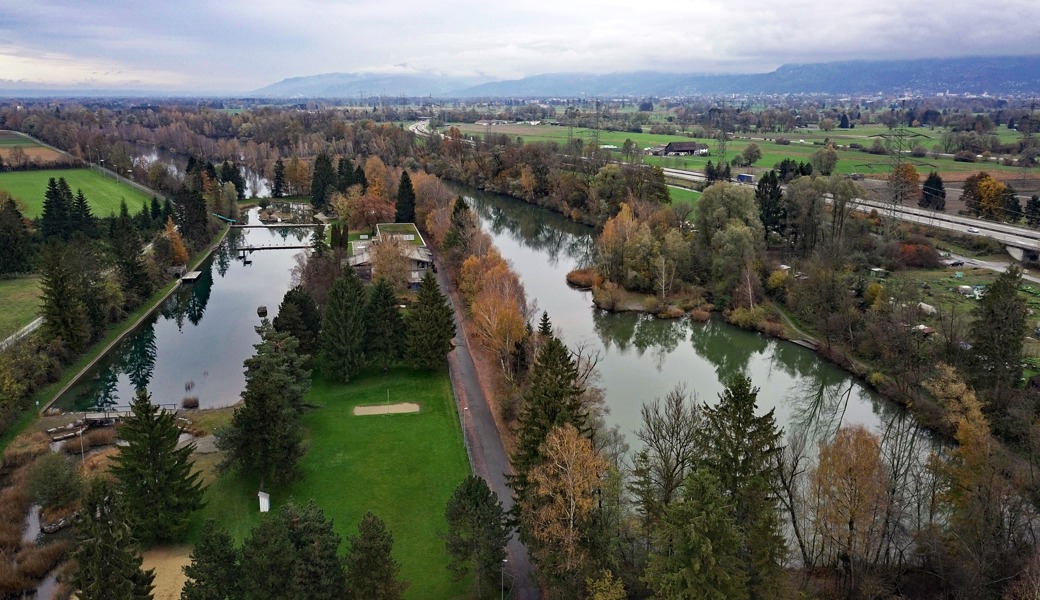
(387,409)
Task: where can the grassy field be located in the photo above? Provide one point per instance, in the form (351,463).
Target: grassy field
(103,193)
(803,143)
(9,139)
(20,299)
(684,196)
(401,467)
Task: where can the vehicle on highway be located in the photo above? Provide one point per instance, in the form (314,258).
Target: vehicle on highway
(973,230)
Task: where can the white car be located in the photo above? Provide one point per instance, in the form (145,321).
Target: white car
(973,230)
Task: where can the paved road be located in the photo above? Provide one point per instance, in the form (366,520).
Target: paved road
(484,444)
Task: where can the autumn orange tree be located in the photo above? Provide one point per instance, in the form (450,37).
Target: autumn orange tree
(849,488)
(178,253)
(560,514)
(904,185)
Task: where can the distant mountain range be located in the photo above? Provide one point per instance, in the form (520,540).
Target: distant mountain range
(971,75)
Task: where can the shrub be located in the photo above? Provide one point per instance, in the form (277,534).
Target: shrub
(772,329)
(777,283)
(584,278)
(783,141)
(105,436)
(670,312)
(190,402)
(964,156)
(34,562)
(876,379)
(919,151)
(748,318)
(75,445)
(53,481)
(700,315)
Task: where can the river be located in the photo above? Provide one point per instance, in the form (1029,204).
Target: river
(643,358)
(195,343)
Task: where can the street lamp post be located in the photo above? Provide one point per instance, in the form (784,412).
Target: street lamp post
(502,579)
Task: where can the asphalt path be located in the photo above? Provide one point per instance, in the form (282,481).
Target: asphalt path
(484,445)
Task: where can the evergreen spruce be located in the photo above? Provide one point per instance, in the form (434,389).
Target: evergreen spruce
(478,531)
(997,336)
(291,555)
(323,181)
(384,328)
(343,328)
(55,220)
(344,174)
(151,467)
(81,217)
(215,570)
(933,193)
(430,326)
(372,573)
(278,182)
(360,178)
(265,437)
(545,325)
(298,315)
(740,449)
(553,398)
(64,312)
(770,199)
(14,239)
(155,211)
(129,255)
(405,211)
(108,563)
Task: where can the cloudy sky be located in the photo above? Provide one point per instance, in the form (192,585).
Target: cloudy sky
(241,45)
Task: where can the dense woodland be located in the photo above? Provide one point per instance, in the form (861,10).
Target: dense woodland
(719,502)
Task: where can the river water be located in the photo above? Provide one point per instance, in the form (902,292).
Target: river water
(643,358)
(195,343)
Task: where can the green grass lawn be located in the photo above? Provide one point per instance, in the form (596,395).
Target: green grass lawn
(684,196)
(10,139)
(403,468)
(20,298)
(103,193)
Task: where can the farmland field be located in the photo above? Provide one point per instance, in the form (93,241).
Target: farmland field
(33,150)
(20,298)
(103,193)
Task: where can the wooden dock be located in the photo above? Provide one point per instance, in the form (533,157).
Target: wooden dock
(191,276)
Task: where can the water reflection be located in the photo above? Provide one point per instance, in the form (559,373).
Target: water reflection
(195,343)
(642,357)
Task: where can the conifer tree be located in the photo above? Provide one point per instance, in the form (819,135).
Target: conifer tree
(478,531)
(384,329)
(298,315)
(108,563)
(14,238)
(215,571)
(278,182)
(128,250)
(323,181)
(64,312)
(997,334)
(343,328)
(739,449)
(344,174)
(291,555)
(430,326)
(933,193)
(372,574)
(81,218)
(265,437)
(151,467)
(405,211)
(55,220)
(359,176)
(553,398)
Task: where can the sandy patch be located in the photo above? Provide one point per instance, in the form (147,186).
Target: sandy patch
(387,409)
(168,562)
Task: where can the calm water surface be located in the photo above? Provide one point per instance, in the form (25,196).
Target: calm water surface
(194,345)
(642,358)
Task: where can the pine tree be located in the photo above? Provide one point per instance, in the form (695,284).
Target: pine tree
(64,312)
(278,183)
(405,212)
(384,329)
(545,328)
(359,177)
(108,563)
(739,449)
(697,546)
(344,174)
(770,198)
(54,222)
(478,531)
(430,326)
(129,254)
(215,570)
(553,398)
(265,437)
(14,239)
(997,335)
(323,181)
(343,328)
(150,466)
(372,573)
(291,555)
(81,218)
(933,194)
(298,315)
(1033,211)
